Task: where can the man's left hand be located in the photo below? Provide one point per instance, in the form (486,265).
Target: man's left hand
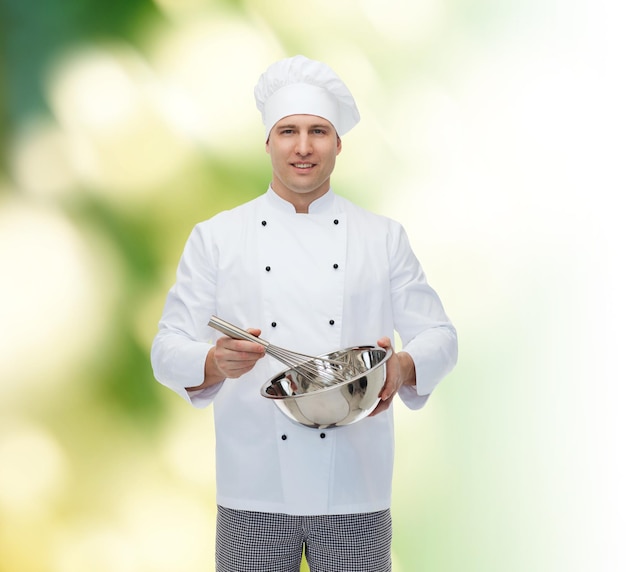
(400,371)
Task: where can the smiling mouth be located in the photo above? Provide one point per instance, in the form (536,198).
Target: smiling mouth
(302,165)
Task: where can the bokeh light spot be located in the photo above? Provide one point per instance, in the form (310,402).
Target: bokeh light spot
(52,304)
(122,139)
(33,469)
(40,160)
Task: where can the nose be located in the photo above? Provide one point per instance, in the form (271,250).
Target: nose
(303,145)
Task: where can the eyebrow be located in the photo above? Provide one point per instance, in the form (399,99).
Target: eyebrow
(294,126)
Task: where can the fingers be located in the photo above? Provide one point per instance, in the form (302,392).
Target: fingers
(382,406)
(236,357)
(387,393)
(391,385)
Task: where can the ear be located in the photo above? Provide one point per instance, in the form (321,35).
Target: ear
(338,144)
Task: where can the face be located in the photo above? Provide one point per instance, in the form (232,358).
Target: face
(303,149)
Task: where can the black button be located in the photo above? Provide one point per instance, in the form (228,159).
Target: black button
(273,324)
(336,221)
(284,437)
(332,322)
(322,435)
(335,266)
(263,222)
(267,268)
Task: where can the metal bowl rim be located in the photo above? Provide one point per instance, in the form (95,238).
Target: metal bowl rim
(388,354)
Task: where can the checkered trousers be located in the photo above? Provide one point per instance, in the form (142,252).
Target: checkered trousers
(266,542)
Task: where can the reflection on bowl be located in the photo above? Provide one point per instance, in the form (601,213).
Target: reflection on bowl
(314,401)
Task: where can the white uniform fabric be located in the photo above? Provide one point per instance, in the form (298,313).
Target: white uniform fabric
(336,277)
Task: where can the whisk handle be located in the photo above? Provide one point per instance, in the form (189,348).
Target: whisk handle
(234,332)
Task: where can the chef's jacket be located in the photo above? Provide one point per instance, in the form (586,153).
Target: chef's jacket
(335,277)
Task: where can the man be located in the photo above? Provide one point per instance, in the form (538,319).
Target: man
(315,273)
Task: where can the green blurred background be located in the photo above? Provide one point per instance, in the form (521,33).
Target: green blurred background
(494,130)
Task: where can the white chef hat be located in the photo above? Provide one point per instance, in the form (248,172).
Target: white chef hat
(298,85)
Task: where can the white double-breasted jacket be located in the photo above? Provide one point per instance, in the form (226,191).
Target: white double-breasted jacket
(335,277)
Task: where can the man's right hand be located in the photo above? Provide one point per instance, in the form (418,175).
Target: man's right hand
(230,358)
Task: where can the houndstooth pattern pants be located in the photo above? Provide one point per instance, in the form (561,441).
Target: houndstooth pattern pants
(267,542)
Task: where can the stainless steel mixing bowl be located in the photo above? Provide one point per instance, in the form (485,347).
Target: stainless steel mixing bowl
(341,402)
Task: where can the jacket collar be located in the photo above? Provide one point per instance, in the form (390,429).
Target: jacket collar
(323,204)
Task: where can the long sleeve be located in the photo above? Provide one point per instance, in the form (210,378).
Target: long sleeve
(426,331)
(180,348)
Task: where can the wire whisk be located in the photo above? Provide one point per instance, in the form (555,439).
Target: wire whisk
(318,372)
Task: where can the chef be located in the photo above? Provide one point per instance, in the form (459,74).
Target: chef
(313,272)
